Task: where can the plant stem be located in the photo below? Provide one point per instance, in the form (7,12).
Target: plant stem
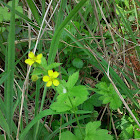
(76,118)
(79,124)
(42,103)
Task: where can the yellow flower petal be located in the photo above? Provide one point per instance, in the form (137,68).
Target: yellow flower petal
(38,61)
(55,74)
(46,78)
(29,61)
(39,56)
(31,55)
(55,82)
(50,73)
(49,84)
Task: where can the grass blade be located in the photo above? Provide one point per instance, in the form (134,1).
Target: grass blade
(4,124)
(10,68)
(34,11)
(57,34)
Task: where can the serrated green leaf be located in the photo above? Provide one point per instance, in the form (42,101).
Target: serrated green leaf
(5,13)
(108,95)
(37,71)
(127,132)
(70,99)
(52,66)
(68,136)
(78,63)
(93,132)
(44,62)
(92,101)
(72,80)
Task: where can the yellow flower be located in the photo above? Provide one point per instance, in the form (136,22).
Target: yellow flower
(51,78)
(32,59)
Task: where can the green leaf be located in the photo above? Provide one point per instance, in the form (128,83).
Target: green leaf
(4,124)
(72,80)
(71,70)
(70,99)
(58,32)
(68,136)
(21,15)
(5,14)
(78,63)
(37,71)
(44,62)
(108,95)
(93,132)
(127,132)
(4,77)
(34,11)
(53,65)
(2,137)
(136,133)
(91,102)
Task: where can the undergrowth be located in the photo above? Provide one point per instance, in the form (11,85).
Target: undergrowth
(70,69)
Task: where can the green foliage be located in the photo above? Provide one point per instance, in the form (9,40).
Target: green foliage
(43,68)
(4,124)
(128,128)
(72,80)
(91,102)
(92,132)
(78,63)
(5,14)
(71,99)
(70,96)
(108,95)
(68,136)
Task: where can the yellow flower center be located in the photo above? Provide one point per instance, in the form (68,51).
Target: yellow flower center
(51,78)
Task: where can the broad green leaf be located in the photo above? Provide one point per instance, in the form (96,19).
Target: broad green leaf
(93,132)
(68,136)
(5,14)
(72,80)
(78,63)
(70,99)
(21,15)
(91,102)
(108,95)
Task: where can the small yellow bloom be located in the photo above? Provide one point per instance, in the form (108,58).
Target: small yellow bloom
(51,78)
(32,59)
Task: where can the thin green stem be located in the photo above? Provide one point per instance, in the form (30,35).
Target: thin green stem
(42,103)
(76,118)
(79,125)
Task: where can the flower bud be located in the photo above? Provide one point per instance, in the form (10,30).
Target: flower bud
(34,78)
